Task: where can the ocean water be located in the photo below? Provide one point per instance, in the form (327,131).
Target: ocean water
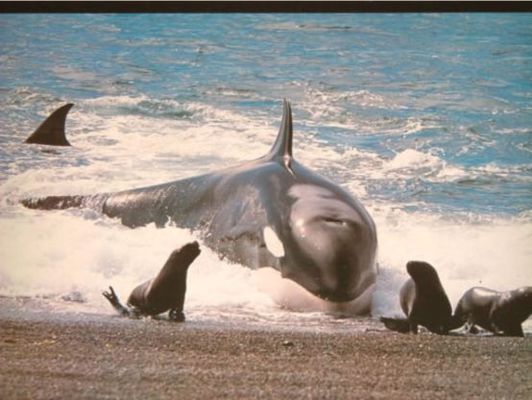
(427,118)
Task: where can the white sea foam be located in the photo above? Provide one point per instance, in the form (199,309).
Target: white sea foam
(61,255)
(74,255)
(411,158)
(427,165)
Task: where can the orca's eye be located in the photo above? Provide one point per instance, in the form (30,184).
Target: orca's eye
(335,221)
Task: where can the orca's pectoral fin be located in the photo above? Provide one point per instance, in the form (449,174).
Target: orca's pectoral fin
(401,325)
(52,130)
(115,302)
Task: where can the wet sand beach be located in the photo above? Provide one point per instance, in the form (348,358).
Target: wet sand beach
(107,357)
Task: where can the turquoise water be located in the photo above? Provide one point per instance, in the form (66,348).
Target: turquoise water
(456,86)
(427,118)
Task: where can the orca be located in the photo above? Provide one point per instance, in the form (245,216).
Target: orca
(269,212)
(52,130)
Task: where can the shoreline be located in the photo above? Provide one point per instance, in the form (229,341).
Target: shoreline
(112,357)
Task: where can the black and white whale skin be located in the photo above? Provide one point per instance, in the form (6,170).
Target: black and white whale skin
(424,302)
(499,312)
(166,292)
(52,129)
(269,212)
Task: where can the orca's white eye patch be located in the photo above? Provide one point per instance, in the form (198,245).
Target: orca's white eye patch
(273,243)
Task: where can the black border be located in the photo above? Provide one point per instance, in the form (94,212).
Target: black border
(261,6)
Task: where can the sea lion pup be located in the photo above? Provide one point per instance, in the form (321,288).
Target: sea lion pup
(499,312)
(423,301)
(166,292)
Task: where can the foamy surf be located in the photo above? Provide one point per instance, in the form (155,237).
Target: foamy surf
(69,257)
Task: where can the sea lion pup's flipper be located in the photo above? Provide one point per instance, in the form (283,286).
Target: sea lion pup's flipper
(401,325)
(115,302)
(166,292)
(510,329)
(52,130)
(455,322)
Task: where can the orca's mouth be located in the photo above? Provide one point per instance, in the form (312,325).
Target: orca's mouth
(336,287)
(336,297)
(291,295)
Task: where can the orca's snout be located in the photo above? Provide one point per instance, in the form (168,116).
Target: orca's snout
(335,243)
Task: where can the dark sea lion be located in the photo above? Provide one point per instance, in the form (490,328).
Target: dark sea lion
(423,301)
(499,312)
(166,292)
(52,130)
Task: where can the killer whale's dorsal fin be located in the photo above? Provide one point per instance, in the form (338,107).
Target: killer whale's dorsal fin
(52,130)
(282,148)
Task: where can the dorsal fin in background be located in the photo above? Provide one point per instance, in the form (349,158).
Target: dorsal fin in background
(283,144)
(52,130)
